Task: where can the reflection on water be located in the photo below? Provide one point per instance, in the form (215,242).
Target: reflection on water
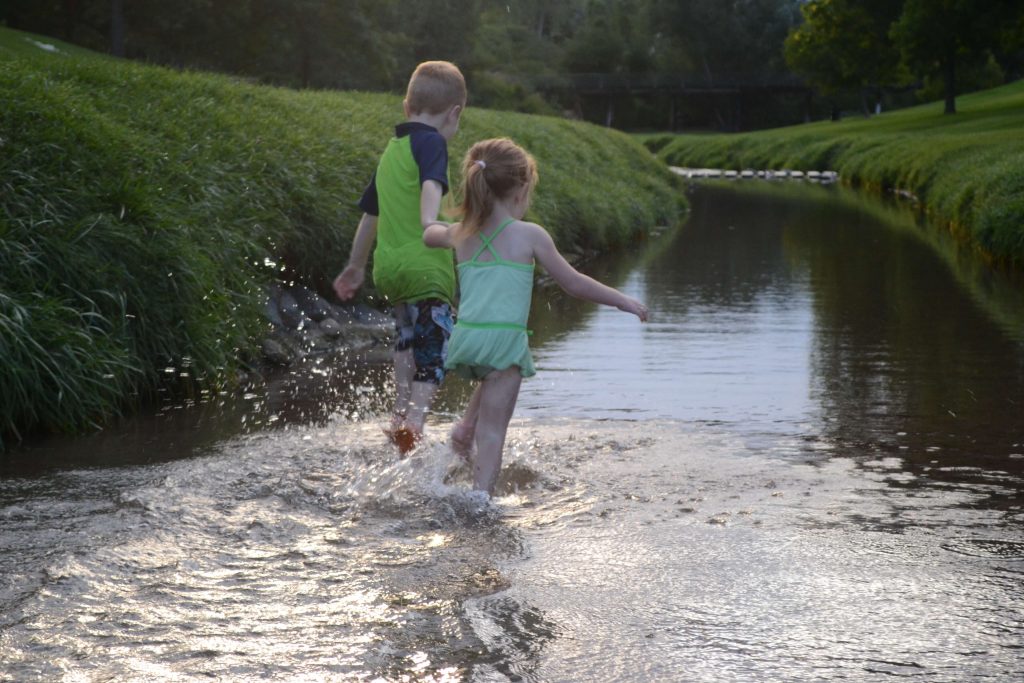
(807,466)
(806,320)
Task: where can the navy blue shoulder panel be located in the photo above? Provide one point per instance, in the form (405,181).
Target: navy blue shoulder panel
(368,202)
(430,150)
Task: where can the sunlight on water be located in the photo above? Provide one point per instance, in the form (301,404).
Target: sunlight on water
(274,554)
(611,546)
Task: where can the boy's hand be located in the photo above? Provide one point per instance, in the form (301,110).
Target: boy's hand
(635,307)
(438,234)
(350,280)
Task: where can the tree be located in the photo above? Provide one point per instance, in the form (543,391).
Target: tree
(518,50)
(738,38)
(440,29)
(117,28)
(59,18)
(722,41)
(1010,50)
(601,44)
(942,35)
(846,43)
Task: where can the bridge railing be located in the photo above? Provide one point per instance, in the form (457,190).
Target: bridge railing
(614,83)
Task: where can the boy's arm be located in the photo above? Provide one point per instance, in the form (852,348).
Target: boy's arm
(351,279)
(576,283)
(430,202)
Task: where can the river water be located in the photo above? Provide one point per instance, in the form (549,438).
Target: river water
(808,466)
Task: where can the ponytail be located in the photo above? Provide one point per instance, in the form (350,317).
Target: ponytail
(492,170)
(477,196)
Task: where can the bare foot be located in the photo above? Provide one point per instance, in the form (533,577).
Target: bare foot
(406,438)
(392,428)
(462,441)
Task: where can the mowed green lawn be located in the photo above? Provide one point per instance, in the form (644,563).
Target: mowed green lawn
(967,168)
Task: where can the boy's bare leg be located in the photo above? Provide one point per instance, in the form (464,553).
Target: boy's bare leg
(499,392)
(420,397)
(463,430)
(409,429)
(405,370)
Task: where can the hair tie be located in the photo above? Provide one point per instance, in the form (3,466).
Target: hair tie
(481,163)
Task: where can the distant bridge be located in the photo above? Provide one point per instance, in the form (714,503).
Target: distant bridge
(668,84)
(736,88)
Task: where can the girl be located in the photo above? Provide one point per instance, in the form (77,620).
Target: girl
(496,251)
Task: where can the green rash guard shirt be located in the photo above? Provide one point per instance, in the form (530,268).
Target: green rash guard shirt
(405,269)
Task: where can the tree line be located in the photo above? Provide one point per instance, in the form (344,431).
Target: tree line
(508,48)
(957,45)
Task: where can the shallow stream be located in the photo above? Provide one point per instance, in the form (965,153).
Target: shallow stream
(808,466)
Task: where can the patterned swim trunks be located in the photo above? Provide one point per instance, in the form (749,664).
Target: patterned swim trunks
(424,327)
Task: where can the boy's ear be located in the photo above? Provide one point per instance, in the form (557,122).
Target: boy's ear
(456,112)
(405,108)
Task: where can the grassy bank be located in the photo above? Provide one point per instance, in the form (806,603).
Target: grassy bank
(145,210)
(967,169)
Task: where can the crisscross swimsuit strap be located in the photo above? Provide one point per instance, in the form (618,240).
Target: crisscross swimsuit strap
(487,243)
(497,260)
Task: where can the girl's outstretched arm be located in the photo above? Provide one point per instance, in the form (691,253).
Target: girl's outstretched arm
(576,283)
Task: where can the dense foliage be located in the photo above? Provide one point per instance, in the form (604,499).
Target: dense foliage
(964,44)
(968,170)
(518,54)
(144,210)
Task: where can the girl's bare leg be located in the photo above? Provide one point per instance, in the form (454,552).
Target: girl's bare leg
(464,430)
(498,394)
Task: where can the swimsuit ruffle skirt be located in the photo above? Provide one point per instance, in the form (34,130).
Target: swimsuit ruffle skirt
(491,330)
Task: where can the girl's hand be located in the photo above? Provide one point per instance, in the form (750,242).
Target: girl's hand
(635,307)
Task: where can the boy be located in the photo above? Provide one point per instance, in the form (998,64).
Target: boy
(403,197)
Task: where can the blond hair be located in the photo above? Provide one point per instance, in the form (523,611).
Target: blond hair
(493,170)
(435,87)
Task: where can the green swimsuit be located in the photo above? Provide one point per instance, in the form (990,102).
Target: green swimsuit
(491,330)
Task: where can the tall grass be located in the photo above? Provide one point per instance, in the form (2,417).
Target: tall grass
(967,169)
(144,211)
